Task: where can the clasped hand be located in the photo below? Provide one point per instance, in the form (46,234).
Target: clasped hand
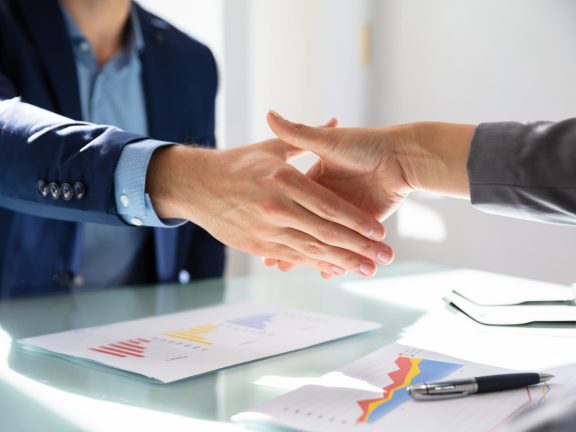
(358,165)
(251,199)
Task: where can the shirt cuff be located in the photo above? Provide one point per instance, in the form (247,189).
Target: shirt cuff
(132,202)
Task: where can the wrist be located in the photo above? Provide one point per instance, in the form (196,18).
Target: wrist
(413,155)
(434,157)
(168,180)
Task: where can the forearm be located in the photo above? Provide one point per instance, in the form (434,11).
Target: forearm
(525,170)
(39,147)
(434,157)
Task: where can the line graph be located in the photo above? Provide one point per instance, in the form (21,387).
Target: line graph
(370,394)
(408,369)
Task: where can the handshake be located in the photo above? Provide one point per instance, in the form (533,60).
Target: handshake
(251,199)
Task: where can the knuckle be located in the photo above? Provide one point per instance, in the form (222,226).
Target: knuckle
(264,231)
(329,209)
(312,249)
(272,207)
(359,222)
(298,127)
(289,256)
(294,257)
(368,247)
(329,235)
(351,260)
(285,254)
(281,174)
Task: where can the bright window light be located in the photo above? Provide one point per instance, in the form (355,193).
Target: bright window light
(332,380)
(419,222)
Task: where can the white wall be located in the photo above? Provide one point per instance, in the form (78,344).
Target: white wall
(302,58)
(474,61)
(305,60)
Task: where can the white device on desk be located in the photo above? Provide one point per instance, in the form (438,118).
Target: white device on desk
(506,300)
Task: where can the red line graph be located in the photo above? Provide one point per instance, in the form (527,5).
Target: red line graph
(398,376)
(127,348)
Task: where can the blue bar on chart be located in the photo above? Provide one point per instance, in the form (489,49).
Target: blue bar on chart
(259,322)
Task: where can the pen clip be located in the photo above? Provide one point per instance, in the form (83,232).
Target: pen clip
(438,396)
(442,390)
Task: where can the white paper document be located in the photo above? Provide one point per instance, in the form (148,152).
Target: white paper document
(181,345)
(370,395)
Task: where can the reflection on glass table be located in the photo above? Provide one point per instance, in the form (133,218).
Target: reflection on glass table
(56,393)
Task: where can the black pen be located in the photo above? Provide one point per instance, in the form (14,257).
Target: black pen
(467,386)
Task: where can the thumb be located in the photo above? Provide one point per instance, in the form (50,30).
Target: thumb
(316,140)
(294,152)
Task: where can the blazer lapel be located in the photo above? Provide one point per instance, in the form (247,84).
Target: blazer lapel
(47,29)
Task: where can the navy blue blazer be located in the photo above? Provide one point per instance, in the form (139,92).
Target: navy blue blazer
(39,237)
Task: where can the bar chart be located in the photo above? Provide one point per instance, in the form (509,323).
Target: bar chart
(185,344)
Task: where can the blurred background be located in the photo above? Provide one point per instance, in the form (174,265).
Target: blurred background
(381,62)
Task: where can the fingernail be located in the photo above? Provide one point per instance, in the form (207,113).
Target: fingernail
(338,271)
(275,114)
(383,257)
(376,234)
(366,269)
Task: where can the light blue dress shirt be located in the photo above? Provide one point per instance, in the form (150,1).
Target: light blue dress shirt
(113,94)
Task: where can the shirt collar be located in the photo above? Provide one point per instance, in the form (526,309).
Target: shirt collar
(135,41)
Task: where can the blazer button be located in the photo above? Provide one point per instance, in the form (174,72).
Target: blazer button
(79,190)
(67,191)
(54,191)
(42,188)
(63,280)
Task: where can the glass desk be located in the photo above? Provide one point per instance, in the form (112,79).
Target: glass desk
(47,392)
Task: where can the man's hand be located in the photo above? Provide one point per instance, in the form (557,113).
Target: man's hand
(251,199)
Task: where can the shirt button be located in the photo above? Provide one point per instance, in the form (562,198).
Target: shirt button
(54,191)
(67,191)
(183,277)
(78,281)
(79,190)
(42,188)
(136,221)
(124,200)
(84,46)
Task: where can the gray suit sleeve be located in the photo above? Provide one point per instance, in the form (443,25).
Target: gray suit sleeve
(525,170)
